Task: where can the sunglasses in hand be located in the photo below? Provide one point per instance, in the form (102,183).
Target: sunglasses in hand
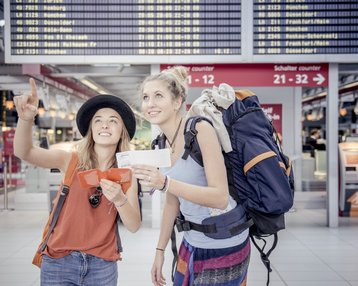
(91,178)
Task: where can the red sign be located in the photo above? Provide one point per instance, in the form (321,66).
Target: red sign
(310,75)
(274,112)
(9,142)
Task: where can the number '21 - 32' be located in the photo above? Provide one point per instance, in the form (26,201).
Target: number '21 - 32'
(299,79)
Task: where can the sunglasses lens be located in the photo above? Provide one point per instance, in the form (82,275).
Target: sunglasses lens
(95,199)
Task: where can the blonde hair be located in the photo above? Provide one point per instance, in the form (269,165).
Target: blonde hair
(176,78)
(86,154)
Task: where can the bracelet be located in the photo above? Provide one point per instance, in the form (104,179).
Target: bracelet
(123,203)
(165,183)
(160,249)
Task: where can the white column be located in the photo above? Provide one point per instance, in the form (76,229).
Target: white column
(297,157)
(332,146)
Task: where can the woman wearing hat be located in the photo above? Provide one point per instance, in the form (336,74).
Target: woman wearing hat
(198,192)
(83,248)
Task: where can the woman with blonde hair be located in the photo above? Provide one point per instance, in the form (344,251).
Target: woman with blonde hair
(197,192)
(83,247)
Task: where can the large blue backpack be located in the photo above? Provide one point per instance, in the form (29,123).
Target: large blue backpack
(260,176)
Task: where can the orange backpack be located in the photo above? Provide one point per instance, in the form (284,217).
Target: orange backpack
(58,203)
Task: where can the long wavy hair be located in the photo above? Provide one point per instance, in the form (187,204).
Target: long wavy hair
(86,153)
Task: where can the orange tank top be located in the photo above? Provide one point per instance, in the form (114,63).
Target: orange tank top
(81,227)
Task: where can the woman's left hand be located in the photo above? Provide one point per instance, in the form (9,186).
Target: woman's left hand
(112,191)
(149,176)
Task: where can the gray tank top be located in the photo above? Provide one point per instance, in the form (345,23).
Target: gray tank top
(190,172)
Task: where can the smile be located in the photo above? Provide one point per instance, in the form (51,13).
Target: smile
(153,112)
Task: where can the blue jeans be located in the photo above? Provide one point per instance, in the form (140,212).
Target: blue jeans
(78,268)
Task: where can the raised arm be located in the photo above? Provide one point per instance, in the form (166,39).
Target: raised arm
(26,106)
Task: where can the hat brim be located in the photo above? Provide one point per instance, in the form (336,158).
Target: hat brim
(92,105)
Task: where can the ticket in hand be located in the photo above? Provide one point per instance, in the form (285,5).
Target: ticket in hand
(159,158)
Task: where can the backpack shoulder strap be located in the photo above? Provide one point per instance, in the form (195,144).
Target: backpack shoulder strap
(159,142)
(241,94)
(191,146)
(64,192)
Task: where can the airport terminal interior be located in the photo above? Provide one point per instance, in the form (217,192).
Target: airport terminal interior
(308,87)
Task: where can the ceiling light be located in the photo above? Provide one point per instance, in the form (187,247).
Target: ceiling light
(9,103)
(342,110)
(41,108)
(352,84)
(71,116)
(52,112)
(89,84)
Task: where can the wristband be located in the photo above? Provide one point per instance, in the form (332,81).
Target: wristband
(165,183)
(160,249)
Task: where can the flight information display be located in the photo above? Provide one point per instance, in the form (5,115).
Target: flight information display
(305,27)
(180,31)
(125,27)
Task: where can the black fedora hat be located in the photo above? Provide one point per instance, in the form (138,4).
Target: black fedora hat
(92,105)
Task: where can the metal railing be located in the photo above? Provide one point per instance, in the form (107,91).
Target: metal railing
(6,187)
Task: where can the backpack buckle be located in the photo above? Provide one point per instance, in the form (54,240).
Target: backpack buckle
(182,225)
(65,190)
(189,137)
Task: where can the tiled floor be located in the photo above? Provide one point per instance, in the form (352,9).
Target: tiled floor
(308,252)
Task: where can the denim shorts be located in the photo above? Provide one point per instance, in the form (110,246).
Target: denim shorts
(78,268)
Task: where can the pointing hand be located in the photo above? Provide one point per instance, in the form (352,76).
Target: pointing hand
(26,105)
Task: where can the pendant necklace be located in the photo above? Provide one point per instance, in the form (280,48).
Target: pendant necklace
(172,144)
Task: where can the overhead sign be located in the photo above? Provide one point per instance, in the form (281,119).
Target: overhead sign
(309,75)
(181,31)
(126,28)
(305,27)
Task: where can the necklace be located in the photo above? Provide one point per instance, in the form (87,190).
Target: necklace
(172,144)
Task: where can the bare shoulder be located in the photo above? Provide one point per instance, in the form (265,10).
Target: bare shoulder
(205,129)
(207,137)
(63,158)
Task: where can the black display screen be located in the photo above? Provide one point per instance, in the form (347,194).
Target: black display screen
(125,27)
(285,27)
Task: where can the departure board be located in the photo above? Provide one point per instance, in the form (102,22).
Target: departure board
(125,27)
(180,31)
(305,27)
